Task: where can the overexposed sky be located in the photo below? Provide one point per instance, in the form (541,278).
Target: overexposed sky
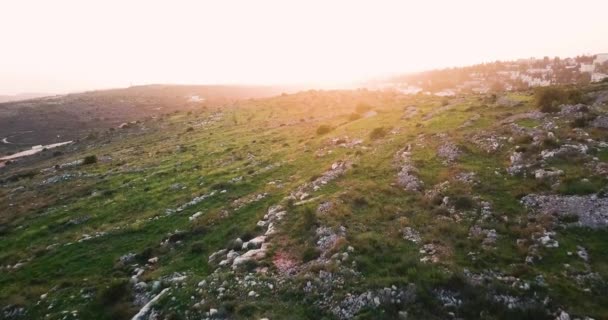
(69,45)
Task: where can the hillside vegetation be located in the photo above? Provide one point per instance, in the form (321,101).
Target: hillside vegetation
(69,117)
(319,205)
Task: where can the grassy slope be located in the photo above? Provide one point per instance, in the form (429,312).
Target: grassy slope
(122,194)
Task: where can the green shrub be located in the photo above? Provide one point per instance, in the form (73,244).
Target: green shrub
(89,159)
(524,139)
(577,186)
(441,211)
(310,253)
(363,107)
(569,218)
(548,99)
(249,265)
(309,220)
(360,201)
(324,129)
(26,174)
(579,123)
(354,116)
(377,133)
(116,291)
(314,177)
(197,247)
(550,143)
(220,186)
(463,202)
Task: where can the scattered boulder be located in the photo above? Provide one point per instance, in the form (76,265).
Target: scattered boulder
(573,110)
(406,178)
(471,120)
(195,216)
(254,243)
(127,258)
(517,163)
(449,152)
(176,186)
(431,253)
(548,241)
(504,101)
(488,236)
(542,174)
(467,177)
(217,255)
(589,210)
(582,253)
(600,122)
(411,235)
(489,143)
(325,207)
(337,169)
(565,150)
(563,315)
(196,201)
(409,112)
(251,255)
(352,304)
(327,238)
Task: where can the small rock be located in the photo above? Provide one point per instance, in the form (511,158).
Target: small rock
(376,301)
(563,316)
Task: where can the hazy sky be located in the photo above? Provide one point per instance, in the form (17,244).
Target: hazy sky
(62,45)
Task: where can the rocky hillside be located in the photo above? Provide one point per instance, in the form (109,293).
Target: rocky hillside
(319,205)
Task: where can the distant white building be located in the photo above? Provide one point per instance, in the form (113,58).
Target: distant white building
(445,93)
(481,89)
(587,68)
(600,58)
(534,81)
(597,77)
(410,90)
(195,99)
(540,70)
(514,75)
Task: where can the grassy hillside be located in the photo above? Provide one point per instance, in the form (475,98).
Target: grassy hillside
(318,205)
(68,117)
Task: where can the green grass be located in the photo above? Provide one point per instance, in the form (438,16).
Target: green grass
(274,144)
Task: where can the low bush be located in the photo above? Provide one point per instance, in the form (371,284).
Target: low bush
(324,129)
(441,211)
(89,159)
(197,247)
(363,108)
(354,116)
(310,253)
(548,99)
(581,122)
(114,293)
(377,133)
(463,202)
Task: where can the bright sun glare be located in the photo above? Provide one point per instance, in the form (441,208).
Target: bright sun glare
(58,46)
